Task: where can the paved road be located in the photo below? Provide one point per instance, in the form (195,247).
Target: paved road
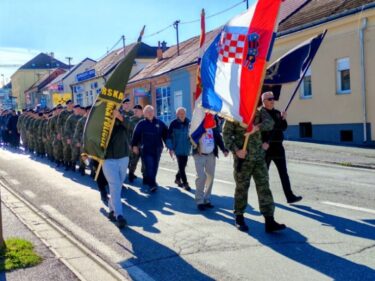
(330,236)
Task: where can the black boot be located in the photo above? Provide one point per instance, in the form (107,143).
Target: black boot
(294,199)
(58,163)
(82,170)
(132,177)
(72,166)
(66,165)
(272,225)
(240,223)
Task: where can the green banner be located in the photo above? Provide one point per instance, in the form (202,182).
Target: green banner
(100,121)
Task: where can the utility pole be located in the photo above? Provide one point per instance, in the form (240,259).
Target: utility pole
(123,43)
(2,243)
(175,25)
(247,4)
(69,59)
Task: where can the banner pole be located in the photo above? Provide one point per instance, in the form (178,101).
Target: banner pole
(98,170)
(303,76)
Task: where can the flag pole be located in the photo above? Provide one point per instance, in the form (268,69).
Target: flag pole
(116,107)
(303,76)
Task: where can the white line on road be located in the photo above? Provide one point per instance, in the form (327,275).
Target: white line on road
(29,193)
(349,207)
(193,175)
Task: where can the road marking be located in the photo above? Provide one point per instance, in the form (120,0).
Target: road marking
(29,193)
(349,207)
(193,175)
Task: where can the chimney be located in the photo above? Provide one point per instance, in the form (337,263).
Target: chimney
(163,46)
(159,52)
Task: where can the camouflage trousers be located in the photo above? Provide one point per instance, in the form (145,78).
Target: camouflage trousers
(67,152)
(133,161)
(23,138)
(258,170)
(49,148)
(76,152)
(57,150)
(40,148)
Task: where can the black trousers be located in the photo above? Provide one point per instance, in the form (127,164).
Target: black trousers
(182,162)
(277,155)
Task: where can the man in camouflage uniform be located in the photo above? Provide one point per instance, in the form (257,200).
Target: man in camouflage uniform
(134,158)
(61,120)
(20,122)
(41,134)
(31,132)
(77,144)
(47,134)
(69,128)
(251,162)
(56,142)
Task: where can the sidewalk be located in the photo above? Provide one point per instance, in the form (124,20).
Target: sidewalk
(50,269)
(331,154)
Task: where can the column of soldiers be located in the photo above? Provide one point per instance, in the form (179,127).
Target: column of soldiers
(55,134)
(58,134)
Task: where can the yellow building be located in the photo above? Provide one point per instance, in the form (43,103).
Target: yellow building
(30,73)
(335,101)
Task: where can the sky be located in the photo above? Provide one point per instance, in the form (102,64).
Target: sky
(88,28)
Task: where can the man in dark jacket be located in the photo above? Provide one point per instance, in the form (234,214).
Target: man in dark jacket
(178,143)
(273,144)
(205,154)
(149,134)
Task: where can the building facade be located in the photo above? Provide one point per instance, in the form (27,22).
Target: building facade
(89,82)
(30,73)
(335,99)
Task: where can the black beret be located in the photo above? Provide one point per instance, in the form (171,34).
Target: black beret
(77,106)
(138,106)
(59,106)
(125,100)
(68,102)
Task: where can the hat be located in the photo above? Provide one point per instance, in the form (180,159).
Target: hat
(138,106)
(82,107)
(88,107)
(40,114)
(68,102)
(125,100)
(77,106)
(59,106)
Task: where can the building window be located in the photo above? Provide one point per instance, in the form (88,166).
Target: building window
(163,104)
(305,130)
(346,135)
(343,76)
(306,87)
(79,99)
(178,102)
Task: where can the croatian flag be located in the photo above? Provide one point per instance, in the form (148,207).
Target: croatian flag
(201,120)
(233,66)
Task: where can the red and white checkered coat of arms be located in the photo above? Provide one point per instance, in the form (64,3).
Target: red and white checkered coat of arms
(231,47)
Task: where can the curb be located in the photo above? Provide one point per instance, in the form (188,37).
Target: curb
(33,218)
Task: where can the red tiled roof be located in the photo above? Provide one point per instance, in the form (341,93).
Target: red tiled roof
(171,61)
(320,9)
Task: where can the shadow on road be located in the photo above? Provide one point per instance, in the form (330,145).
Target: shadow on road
(150,256)
(340,224)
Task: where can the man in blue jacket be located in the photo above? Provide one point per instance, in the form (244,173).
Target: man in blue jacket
(178,143)
(150,134)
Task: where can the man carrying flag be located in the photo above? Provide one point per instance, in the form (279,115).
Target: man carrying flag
(105,137)
(232,74)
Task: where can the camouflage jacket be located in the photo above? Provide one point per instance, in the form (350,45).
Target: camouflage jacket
(78,132)
(53,126)
(70,126)
(61,120)
(234,138)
